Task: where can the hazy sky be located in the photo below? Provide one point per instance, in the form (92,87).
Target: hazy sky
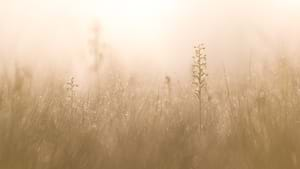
(155,33)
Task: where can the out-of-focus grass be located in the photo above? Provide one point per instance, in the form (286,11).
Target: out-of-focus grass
(127,124)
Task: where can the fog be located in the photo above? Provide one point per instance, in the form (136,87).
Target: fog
(143,84)
(57,33)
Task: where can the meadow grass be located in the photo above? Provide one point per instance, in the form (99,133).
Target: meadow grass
(129,124)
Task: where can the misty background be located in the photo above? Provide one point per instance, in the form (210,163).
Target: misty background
(56,33)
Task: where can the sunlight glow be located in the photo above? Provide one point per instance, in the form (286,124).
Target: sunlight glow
(287,5)
(131,18)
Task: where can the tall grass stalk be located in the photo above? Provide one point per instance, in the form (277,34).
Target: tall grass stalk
(199,76)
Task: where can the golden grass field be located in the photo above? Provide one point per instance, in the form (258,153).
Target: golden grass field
(119,84)
(129,122)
